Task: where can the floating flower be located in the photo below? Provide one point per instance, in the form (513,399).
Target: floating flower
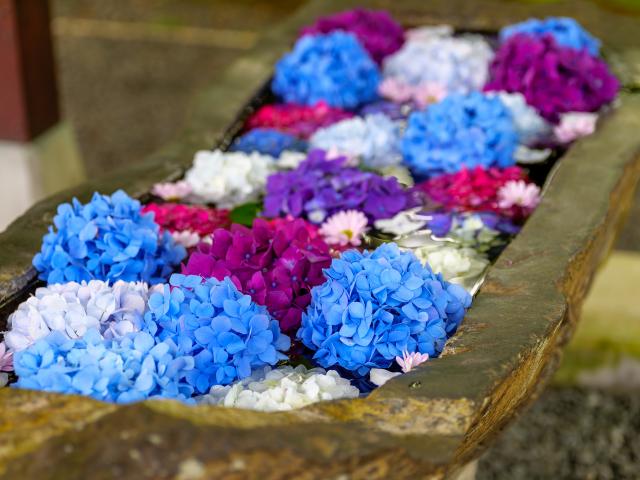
(566,31)
(6,359)
(294,119)
(75,308)
(267,141)
(531,127)
(333,68)
(455,64)
(289,160)
(376,30)
(410,360)
(106,239)
(374,138)
(129,369)
(276,263)
(281,389)
(345,228)
(421,95)
(376,305)
(226,333)
(574,125)
(529,156)
(318,188)
(461,131)
(405,222)
(380,376)
(552,78)
(172,191)
(175,217)
(520,197)
(229,179)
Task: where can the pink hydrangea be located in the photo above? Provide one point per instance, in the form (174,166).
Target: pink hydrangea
(345,228)
(176,217)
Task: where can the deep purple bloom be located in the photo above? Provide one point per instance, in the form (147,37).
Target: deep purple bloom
(318,188)
(378,32)
(552,78)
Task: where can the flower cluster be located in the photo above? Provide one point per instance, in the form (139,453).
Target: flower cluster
(172,191)
(574,125)
(566,32)
(123,370)
(277,264)
(461,131)
(532,129)
(267,141)
(374,138)
(106,239)
(552,78)
(421,95)
(228,179)
(518,198)
(377,31)
(75,308)
(333,68)
(376,305)
(455,64)
(225,333)
(318,188)
(282,389)
(462,266)
(176,217)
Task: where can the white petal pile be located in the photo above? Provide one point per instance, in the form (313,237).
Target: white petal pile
(531,127)
(462,266)
(284,388)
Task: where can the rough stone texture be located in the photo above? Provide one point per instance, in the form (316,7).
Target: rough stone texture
(428,423)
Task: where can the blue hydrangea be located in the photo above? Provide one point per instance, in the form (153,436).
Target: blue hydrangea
(375,139)
(268,142)
(132,368)
(460,131)
(227,334)
(375,305)
(566,31)
(334,68)
(106,239)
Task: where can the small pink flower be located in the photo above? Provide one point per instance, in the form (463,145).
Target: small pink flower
(186,238)
(6,359)
(410,360)
(395,90)
(172,191)
(428,93)
(344,228)
(518,193)
(574,125)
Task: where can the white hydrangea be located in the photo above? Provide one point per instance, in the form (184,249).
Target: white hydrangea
(403,223)
(462,266)
(531,127)
(229,179)
(73,308)
(374,138)
(284,388)
(290,159)
(459,64)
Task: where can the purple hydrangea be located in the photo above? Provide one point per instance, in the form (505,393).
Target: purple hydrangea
(268,141)
(552,78)
(318,188)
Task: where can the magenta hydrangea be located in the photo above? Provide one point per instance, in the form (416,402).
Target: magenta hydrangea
(275,262)
(552,78)
(378,32)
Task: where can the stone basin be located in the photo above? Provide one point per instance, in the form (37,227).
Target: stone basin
(428,423)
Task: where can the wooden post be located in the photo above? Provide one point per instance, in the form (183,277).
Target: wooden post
(28,93)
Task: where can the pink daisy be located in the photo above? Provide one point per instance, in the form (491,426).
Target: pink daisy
(518,193)
(410,360)
(344,228)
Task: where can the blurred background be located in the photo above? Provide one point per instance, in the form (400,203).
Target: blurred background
(127,71)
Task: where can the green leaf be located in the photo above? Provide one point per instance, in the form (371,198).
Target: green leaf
(244,214)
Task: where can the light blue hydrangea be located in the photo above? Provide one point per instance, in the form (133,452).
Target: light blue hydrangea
(376,305)
(106,239)
(531,127)
(460,131)
(334,68)
(268,142)
(566,31)
(374,138)
(124,370)
(227,334)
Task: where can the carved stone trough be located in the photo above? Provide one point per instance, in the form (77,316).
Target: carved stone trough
(428,423)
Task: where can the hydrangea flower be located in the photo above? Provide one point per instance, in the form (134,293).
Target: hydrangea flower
(282,389)
(267,141)
(374,138)
(531,127)
(566,31)
(345,228)
(376,30)
(392,110)
(333,68)
(406,222)
(276,263)
(455,64)
(227,334)
(461,131)
(552,78)
(75,308)
(228,179)
(376,305)
(421,95)
(172,191)
(176,217)
(519,198)
(574,125)
(128,369)
(295,119)
(318,188)
(106,239)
